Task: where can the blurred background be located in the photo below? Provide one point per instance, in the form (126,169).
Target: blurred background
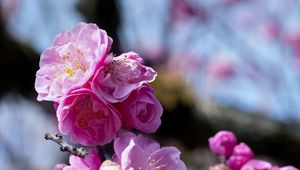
(223,64)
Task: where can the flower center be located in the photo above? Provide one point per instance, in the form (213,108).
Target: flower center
(123,69)
(71,63)
(85,113)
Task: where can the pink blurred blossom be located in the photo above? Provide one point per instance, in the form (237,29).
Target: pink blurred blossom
(181,10)
(8,8)
(71,60)
(245,20)
(269,30)
(138,152)
(222,143)
(231,2)
(87,119)
(89,162)
(155,52)
(221,67)
(120,76)
(288,168)
(191,61)
(293,41)
(255,164)
(141,110)
(241,154)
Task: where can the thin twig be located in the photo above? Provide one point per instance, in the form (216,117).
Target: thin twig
(65,147)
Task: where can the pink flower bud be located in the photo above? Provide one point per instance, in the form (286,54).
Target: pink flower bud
(141,110)
(241,155)
(222,143)
(257,165)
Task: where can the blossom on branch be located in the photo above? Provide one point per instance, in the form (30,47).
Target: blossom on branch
(71,61)
(237,157)
(95,94)
(87,119)
(139,152)
(120,76)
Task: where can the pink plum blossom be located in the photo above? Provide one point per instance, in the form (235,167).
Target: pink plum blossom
(71,60)
(241,154)
(138,152)
(89,162)
(120,76)
(141,110)
(87,119)
(222,143)
(257,165)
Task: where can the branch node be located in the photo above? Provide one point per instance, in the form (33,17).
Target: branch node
(65,147)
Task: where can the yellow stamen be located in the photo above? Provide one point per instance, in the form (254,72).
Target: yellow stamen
(80,52)
(69,71)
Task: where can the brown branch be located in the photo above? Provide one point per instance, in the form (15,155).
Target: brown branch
(65,147)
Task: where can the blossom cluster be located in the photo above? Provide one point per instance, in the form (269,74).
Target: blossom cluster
(96,94)
(131,152)
(238,156)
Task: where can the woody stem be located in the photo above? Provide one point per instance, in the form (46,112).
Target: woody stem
(65,147)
